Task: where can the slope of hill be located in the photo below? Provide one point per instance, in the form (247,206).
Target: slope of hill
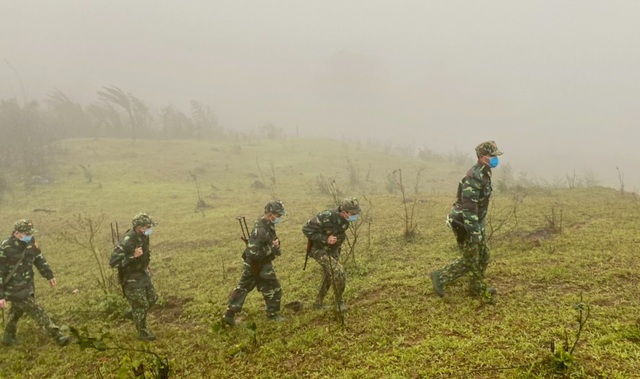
(551,249)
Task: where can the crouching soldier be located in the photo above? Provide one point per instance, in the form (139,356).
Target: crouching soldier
(132,257)
(18,255)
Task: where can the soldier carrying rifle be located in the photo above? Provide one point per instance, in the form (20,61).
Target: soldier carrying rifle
(262,247)
(326,232)
(132,256)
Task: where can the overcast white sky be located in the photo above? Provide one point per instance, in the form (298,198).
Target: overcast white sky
(555,83)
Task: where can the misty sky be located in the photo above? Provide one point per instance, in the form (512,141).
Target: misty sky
(555,83)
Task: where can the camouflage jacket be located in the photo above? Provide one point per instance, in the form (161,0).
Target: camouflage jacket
(323,225)
(134,271)
(20,285)
(472,199)
(260,248)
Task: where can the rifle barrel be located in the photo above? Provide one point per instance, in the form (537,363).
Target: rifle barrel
(244,228)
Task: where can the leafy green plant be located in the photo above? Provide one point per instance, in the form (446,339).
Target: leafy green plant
(563,356)
(158,368)
(252,331)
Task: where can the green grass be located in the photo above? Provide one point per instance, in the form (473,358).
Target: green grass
(396,326)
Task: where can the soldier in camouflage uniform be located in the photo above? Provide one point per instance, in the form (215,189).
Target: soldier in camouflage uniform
(263,246)
(132,257)
(326,232)
(467,220)
(18,255)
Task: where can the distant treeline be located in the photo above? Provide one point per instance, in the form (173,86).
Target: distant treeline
(29,129)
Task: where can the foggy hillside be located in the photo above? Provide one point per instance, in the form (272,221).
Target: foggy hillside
(555,84)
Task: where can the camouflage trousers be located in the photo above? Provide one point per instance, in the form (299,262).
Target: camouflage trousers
(474,261)
(262,276)
(332,273)
(141,298)
(33,310)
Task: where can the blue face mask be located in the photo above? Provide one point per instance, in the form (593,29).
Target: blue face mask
(493,162)
(148,232)
(352,218)
(26,238)
(277,220)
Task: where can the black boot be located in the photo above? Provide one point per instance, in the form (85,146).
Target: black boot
(275,317)
(437,286)
(63,340)
(229,318)
(9,339)
(146,335)
(143,333)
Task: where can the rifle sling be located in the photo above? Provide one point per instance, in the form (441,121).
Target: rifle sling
(13,272)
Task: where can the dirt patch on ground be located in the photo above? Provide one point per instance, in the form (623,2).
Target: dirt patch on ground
(171,309)
(536,237)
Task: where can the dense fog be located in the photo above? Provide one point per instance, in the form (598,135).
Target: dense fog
(555,83)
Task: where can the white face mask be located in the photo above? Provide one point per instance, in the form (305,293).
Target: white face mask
(148,232)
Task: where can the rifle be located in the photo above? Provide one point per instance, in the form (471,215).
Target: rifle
(451,221)
(115,239)
(306,258)
(245,237)
(245,230)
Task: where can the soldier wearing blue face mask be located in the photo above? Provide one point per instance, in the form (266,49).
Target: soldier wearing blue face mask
(132,257)
(467,220)
(18,255)
(263,246)
(326,232)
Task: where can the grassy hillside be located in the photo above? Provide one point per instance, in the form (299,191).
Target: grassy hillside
(549,248)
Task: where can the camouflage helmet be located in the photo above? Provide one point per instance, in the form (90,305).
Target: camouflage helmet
(488,148)
(275,206)
(350,204)
(142,219)
(24,226)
